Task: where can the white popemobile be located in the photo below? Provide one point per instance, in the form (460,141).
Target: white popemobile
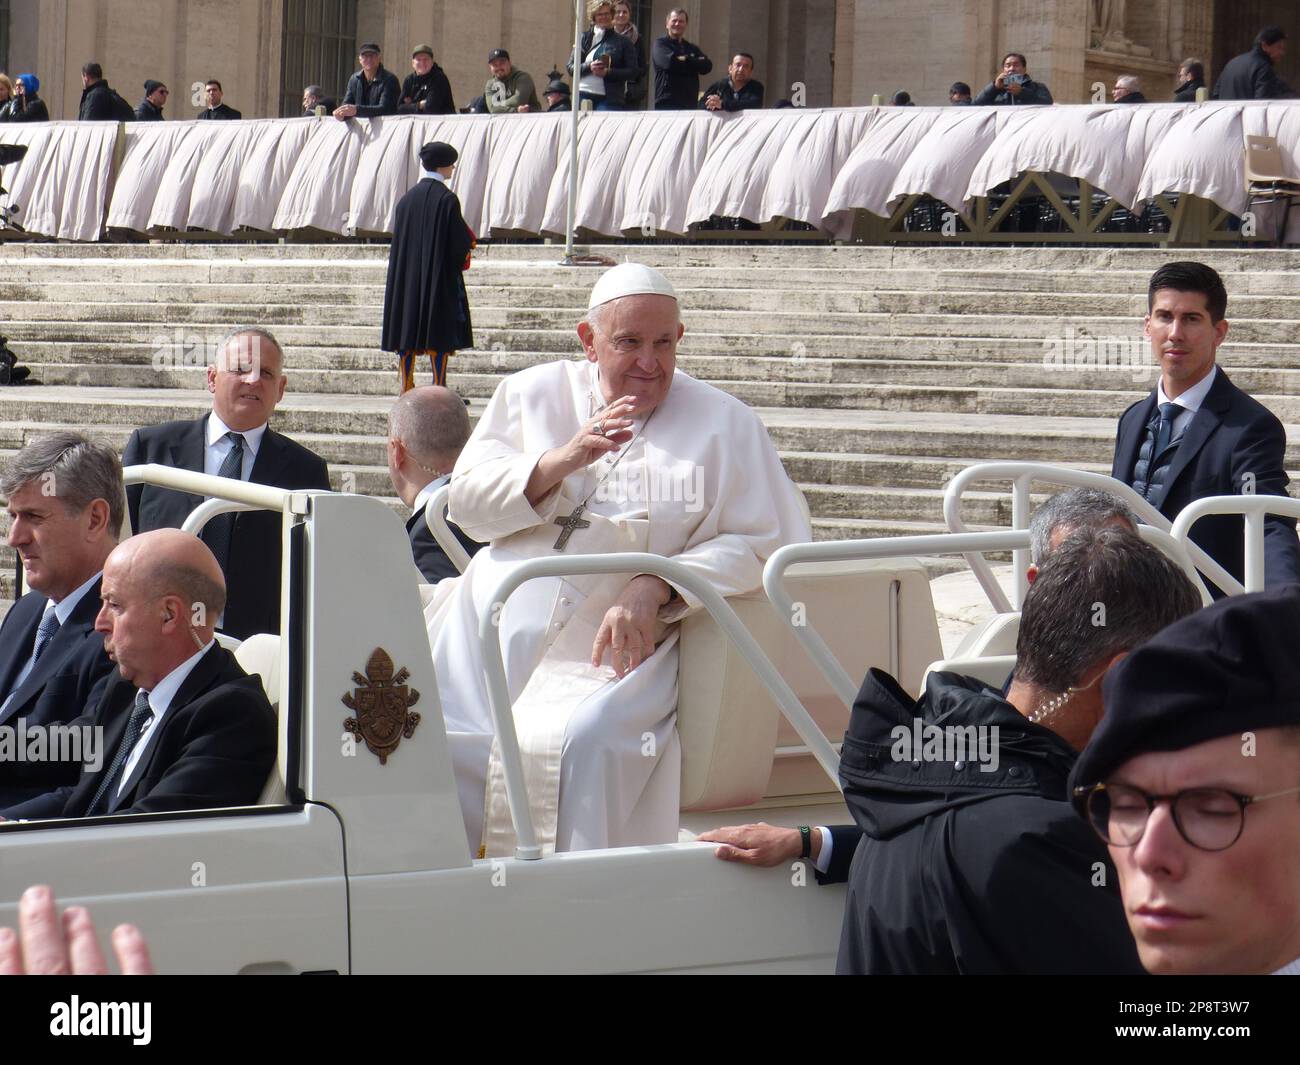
(356,860)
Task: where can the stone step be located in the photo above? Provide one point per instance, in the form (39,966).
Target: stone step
(527,328)
(1017,262)
(379,377)
(919,359)
(168,384)
(302,304)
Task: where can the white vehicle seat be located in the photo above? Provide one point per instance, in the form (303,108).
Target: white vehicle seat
(260,655)
(993,670)
(994,636)
(728,724)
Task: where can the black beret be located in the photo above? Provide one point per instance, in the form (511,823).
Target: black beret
(436,154)
(1227,669)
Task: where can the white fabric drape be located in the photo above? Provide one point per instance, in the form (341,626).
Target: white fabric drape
(657,172)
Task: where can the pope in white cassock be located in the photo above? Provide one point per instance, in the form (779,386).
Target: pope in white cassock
(617,452)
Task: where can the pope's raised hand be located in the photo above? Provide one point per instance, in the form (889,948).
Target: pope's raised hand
(607,431)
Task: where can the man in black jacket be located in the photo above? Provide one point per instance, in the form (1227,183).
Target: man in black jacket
(1191,78)
(1014,86)
(66,507)
(831,847)
(1197,434)
(426,308)
(372,90)
(1251,75)
(972,860)
(246,381)
(678,65)
(427,428)
(426,90)
(99,103)
(155,98)
(216,109)
(738,91)
(185,728)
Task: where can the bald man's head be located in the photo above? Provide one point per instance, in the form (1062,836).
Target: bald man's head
(427,428)
(162,593)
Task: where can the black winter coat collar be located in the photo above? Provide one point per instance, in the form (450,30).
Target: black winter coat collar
(890,786)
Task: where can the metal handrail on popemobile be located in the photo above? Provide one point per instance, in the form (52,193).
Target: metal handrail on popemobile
(675,573)
(1254,509)
(1022,475)
(965,544)
(227,494)
(435,517)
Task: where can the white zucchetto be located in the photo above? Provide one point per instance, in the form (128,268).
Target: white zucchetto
(629,279)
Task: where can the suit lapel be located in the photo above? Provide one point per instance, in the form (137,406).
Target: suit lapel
(1132,430)
(1217,402)
(187,452)
(25,619)
(70,635)
(271,458)
(199,680)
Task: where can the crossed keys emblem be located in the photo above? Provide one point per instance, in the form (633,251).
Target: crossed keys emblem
(382,702)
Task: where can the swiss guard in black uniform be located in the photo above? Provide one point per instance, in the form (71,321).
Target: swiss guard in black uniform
(425,306)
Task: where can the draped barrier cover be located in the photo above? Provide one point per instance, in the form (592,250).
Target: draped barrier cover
(657,173)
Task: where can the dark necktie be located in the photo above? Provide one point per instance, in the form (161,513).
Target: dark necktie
(1165,429)
(141,713)
(217,533)
(44,634)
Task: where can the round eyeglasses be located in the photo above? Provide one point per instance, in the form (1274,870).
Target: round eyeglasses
(1210,819)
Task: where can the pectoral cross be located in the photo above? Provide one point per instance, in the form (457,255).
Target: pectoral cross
(571,525)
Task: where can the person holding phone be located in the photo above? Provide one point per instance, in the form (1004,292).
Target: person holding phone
(1014,85)
(609,61)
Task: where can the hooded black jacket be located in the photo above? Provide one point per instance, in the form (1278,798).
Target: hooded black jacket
(965,871)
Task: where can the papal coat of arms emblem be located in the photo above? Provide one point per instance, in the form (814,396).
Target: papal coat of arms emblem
(382,701)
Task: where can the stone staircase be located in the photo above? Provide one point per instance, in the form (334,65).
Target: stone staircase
(879,372)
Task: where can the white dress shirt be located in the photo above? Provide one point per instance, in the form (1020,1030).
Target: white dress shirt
(218,447)
(1190,401)
(160,701)
(422,497)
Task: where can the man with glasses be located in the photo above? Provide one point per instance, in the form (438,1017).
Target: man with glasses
(1193,781)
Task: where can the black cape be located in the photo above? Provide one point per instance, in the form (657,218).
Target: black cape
(425,306)
(965,871)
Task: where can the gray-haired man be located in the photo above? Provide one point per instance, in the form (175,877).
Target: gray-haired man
(66,506)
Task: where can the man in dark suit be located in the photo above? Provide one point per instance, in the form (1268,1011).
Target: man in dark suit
(246,382)
(1199,435)
(185,728)
(65,506)
(427,428)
